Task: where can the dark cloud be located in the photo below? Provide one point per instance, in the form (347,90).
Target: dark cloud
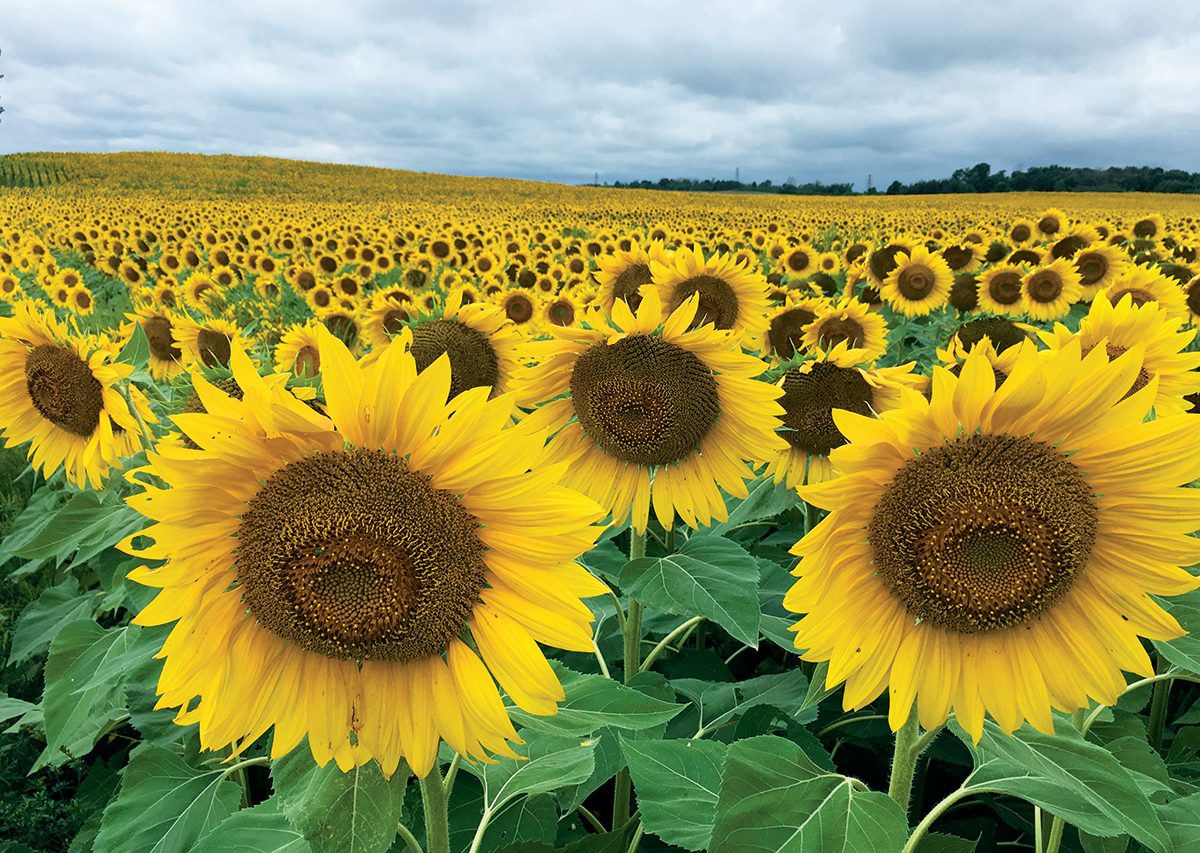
(559,91)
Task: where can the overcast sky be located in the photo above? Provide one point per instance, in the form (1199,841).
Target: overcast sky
(559,91)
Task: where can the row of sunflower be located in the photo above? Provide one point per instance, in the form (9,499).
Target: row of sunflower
(368,520)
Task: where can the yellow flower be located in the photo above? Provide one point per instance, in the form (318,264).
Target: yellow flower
(919,283)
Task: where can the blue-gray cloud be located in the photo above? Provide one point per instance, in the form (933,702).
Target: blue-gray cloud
(629,90)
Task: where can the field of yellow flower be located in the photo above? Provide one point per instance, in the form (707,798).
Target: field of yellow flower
(354,509)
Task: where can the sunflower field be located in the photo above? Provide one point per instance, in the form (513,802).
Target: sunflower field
(347,509)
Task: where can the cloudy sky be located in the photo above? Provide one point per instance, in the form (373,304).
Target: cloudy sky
(560,91)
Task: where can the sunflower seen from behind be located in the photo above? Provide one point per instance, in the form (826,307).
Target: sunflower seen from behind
(60,393)
(993,550)
(653,413)
(362,579)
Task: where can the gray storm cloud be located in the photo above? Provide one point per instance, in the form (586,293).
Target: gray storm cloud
(826,92)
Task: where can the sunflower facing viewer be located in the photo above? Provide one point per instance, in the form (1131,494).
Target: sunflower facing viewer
(993,550)
(336,565)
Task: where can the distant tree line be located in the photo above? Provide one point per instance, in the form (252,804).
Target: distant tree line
(980,179)
(713,185)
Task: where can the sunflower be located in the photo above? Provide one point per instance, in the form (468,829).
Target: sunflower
(1049,291)
(520,306)
(786,325)
(80,301)
(797,262)
(10,287)
(836,379)
(201,292)
(1145,285)
(482,344)
(990,551)
(367,574)
(1051,222)
(386,315)
(653,412)
(919,283)
(622,274)
(1191,298)
(298,351)
(1022,232)
(59,393)
(851,322)
(1098,265)
(732,296)
(562,310)
(883,259)
(1001,289)
(1148,329)
(1149,227)
(210,341)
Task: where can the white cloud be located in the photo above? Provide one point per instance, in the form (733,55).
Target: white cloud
(560,91)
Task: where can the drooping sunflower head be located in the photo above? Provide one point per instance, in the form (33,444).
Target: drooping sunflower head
(647,405)
(58,392)
(166,358)
(731,296)
(1000,527)
(367,569)
(919,283)
(849,322)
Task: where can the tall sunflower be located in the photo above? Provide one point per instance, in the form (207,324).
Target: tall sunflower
(621,275)
(58,392)
(653,412)
(1116,329)
(1145,285)
(837,379)
(1049,291)
(731,296)
(850,322)
(338,565)
(991,550)
(1001,288)
(919,283)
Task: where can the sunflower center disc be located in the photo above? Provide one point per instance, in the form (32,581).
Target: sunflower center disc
(214,347)
(798,260)
(519,309)
(786,331)
(473,362)
(1002,333)
(355,557)
(915,282)
(1005,288)
(562,314)
(158,334)
(1193,297)
(626,285)
(1091,268)
(1045,286)
(718,303)
(63,389)
(838,329)
(809,400)
(1137,295)
(984,532)
(883,261)
(644,400)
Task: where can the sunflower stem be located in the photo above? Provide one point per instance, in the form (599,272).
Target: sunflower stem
(1082,722)
(666,641)
(437,815)
(623,786)
(147,436)
(410,840)
(1159,705)
(904,761)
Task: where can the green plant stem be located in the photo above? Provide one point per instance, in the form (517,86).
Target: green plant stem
(147,436)
(1159,705)
(592,819)
(904,761)
(1037,829)
(410,840)
(666,641)
(1082,721)
(437,816)
(623,786)
(637,839)
(937,811)
(451,773)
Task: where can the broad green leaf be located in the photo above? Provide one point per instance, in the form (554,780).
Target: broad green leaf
(606,560)
(593,702)
(88,523)
(1081,782)
(552,761)
(1099,844)
(776,621)
(766,500)
(677,784)
(137,349)
(1183,651)
(608,760)
(11,708)
(524,820)
(937,842)
(45,616)
(165,804)
(774,798)
(721,702)
(85,680)
(355,812)
(709,576)
(38,513)
(262,829)
(1181,818)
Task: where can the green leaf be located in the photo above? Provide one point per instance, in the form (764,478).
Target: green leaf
(1081,782)
(593,702)
(552,761)
(677,784)
(45,616)
(165,804)
(137,349)
(709,576)
(88,523)
(720,701)
(356,812)
(937,842)
(766,500)
(776,621)
(85,679)
(532,819)
(1183,651)
(1099,844)
(775,799)
(262,829)
(606,560)
(1181,818)
(11,708)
